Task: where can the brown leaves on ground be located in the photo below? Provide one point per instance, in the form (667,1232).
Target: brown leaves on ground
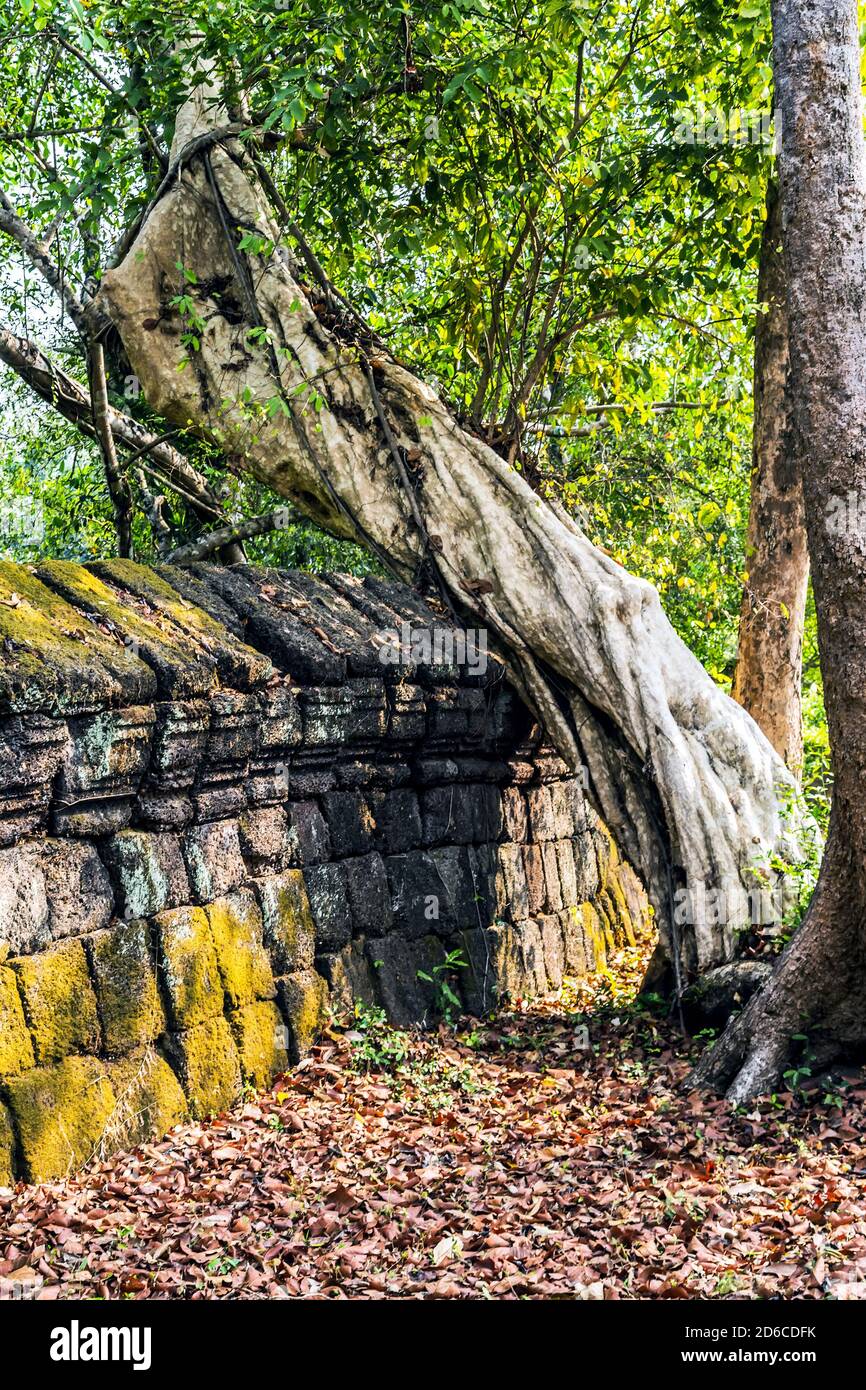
(500,1162)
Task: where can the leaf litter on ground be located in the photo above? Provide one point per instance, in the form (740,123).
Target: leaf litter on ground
(494,1159)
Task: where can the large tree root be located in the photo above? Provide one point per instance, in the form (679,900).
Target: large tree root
(687,782)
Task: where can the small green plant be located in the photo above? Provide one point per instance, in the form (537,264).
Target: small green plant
(448,1003)
(376,1046)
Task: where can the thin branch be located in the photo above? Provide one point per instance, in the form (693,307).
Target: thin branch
(118,483)
(226,535)
(37,254)
(66,395)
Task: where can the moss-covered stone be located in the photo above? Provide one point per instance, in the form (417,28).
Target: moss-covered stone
(303,997)
(206,1060)
(54,659)
(150,1099)
(262,1042)
(236,927)
(237,664)
(126,990)
(183,666)
(188,968)
(7,1148)
(60,1114)
(289,931)
(59,1002)
(16,1049)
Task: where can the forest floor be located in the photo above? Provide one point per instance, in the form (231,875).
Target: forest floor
(500,1160)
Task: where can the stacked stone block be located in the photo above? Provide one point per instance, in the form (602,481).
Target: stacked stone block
(222,816)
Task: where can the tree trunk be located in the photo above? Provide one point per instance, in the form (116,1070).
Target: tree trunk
(819,986)
(688,784)
(770,650)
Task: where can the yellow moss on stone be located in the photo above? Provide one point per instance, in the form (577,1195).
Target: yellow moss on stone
(7,1148)
(289,930)
(54,658)
(188,967)
(304,997)
(59,1002)
(126,989)
(236,927)
(185,665)
(206,1060)
(16,1049)
(60,1114)
(594,937)
(261,1037)
(149,1099)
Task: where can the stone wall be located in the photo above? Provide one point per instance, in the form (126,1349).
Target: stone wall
(223,814)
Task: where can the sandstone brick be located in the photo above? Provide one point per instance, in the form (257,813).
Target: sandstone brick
(369,895)
(551,875)
(533,866)
(515,897)
(399,822)
(350,977)
(310,838)
(59,1002)
(541,820)
(350,823)
(265,839)
(213,858)
(149,1099)
(206,1060)
(553,949)
(236,927)
(126,990)
(262,1039)
(188,966)
(148,872)
(303,998)
(530,946)
(289,932)
(515,820)
(416,893)
(329,903)
(446,815)
(24,915)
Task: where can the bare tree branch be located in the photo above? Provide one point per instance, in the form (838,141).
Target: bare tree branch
(118,483)
(226,535)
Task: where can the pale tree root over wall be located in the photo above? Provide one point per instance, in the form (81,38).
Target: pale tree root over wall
(688,784)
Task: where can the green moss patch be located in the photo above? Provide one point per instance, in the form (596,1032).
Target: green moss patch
(54,659)
(206,1060)
(289,931)
(304,998)
(59,1002)
(237,664)
(61,1114)
(262,1042)
(149,1098)
(7,1148)
(236,926)
(187,965)
(16,1049)
(126,988)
